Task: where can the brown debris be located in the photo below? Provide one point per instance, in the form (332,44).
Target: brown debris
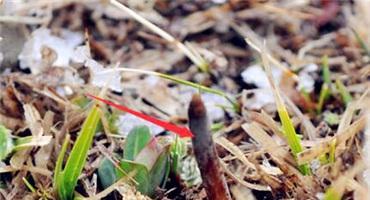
(250,146)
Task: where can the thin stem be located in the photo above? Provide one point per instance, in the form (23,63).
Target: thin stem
(180,81)
(197,60)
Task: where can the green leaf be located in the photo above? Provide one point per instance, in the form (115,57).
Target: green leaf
(6,142)
(147,181)
(142,176)
(107,173)
(136,140)
(67,180)
(159,172)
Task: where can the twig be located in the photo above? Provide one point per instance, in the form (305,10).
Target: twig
(205,152)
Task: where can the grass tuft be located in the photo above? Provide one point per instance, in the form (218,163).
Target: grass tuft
(290,134)
(66,180)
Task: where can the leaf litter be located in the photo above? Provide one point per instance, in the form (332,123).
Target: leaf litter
(286,98)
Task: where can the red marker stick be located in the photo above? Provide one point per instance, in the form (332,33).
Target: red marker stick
(181,131)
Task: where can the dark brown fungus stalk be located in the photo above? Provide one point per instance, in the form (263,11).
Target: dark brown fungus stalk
(205,152)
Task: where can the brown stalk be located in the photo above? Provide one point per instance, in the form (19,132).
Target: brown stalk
(205,152)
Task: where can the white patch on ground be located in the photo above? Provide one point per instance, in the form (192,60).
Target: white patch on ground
(151,81)
(212,102)
(64,91)
(320,195)
(219,1)
(31,57)
(127,122)
(306,81)
(256,75)
(99,79)
(260,99)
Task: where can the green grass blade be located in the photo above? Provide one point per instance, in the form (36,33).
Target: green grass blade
(58,175)
(78,156)
(287,124)
(346,96)
(29,185)
(324,95)
(326,70)
(325,88)
(201,88)
(361,42)
(191,84)
(183,82)
(292,138)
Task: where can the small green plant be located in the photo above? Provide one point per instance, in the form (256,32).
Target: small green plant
(178,151)
(144,157)
(65,180)
(291,136)
(9,143)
